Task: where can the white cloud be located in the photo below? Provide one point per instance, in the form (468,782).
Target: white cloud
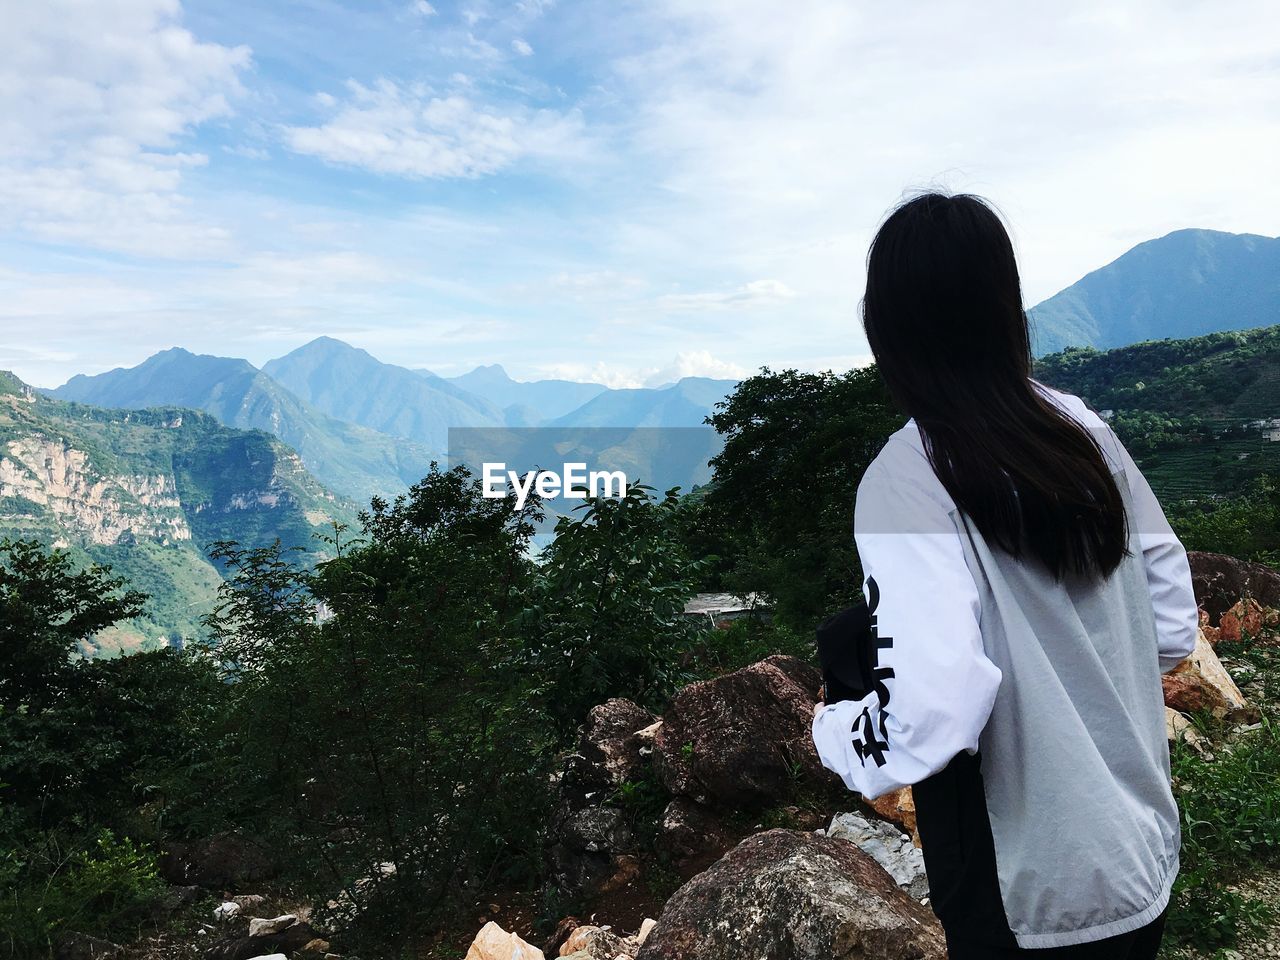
(757,293)
(698,363)
(422,8)
(411,132)
(93,97)
(522,47)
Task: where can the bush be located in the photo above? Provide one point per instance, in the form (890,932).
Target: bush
(105,889)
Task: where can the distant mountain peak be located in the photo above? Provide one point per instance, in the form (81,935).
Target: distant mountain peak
(1187,283)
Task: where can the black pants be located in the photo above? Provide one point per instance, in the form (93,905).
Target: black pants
(1141,944)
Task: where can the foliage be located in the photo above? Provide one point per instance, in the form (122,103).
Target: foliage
(46,609)
(607,614)
(796,446)
(108,886)
(80,742)
(1245,526)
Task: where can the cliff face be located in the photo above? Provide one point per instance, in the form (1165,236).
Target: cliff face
(105,510)
(148,491)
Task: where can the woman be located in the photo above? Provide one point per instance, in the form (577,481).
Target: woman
(1026,593)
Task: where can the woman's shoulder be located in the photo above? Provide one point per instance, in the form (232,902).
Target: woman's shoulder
(901,471)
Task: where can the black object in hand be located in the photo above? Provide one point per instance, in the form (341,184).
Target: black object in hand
(845,653)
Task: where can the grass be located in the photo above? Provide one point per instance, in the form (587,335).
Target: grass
(1230,805)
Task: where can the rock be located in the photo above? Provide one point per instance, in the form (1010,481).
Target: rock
(287,941)
(1201,682)
(691,837)
(598,943)
(626,871)
(271,956)
(81,946)
(609,752)
(494,943)
(897,807)
(787,895)
(316,948)
(585,854)
(225,860)
(560,935)
(645,929)
(1244,619)
(264,928)
(888,846)
(736,741)
(1219,581)
(226,911)
(1179,728)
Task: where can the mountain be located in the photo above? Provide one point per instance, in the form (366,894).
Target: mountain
(685,403)
(148,491)
(350,384)
(526,403)
(1185,284)
(352,460)
(1196,413)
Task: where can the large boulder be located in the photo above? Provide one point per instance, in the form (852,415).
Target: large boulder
(788,895)
(613,748)
(1219,581)
(1201,683)
(737,741)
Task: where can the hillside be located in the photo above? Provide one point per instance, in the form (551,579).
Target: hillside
(354,461)
(1196,412)
(1185,284)
(350,384)
(147,492)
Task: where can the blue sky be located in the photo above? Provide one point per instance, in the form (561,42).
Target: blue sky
(618,191)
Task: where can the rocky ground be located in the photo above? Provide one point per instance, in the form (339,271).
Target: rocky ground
(713,832)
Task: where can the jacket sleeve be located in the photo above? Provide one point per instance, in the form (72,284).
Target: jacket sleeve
(1165,561)
(934,686)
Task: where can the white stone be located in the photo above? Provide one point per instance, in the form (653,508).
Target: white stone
(264,928)
(645,928)
(888,846)
(226,911)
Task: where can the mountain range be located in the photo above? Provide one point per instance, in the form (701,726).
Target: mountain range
(365,427)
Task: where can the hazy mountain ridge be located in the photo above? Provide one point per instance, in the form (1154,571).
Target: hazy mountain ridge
(1185,284)
(350,384)
(147,492)
(352,460)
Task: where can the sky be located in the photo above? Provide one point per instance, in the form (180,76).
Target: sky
(615,191)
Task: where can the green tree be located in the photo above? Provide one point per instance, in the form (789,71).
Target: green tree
(796,446)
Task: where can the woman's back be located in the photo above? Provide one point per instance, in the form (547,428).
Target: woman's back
(1065,830)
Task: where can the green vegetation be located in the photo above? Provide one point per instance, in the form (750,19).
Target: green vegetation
(1230,803)
(1188,410)
(779,514)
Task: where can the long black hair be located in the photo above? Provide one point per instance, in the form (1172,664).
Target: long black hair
(943,315)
